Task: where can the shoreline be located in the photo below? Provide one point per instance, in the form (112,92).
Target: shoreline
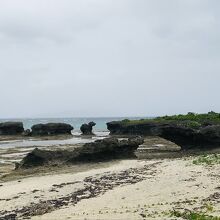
(12,155)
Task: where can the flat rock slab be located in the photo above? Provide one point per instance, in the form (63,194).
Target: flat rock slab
(156,147)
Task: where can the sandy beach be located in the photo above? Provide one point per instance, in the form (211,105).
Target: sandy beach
(123,189)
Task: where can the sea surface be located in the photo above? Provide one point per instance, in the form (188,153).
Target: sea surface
(100,131)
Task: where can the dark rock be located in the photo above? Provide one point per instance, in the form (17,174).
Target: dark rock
(186,137)
(210,134)
(17,165)
(179,134)
(39,157)
(157,147)
(11,128)
(106,149)
(148,129)
(51,129)
(151,129)
(86,129)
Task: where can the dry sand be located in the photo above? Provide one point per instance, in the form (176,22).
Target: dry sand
(128,189)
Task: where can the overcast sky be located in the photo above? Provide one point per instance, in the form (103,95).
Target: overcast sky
(108,57)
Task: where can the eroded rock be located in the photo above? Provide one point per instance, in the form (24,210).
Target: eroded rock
(11,128)
(156,147)
(86,129)
(106,149)
(52,129)
(201,137)
(211,133)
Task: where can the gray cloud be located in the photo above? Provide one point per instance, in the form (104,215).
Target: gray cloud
(108,58)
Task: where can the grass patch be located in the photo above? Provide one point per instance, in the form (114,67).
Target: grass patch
(190,120)
(200,118)
(193,215)
(210,159)
(209,207)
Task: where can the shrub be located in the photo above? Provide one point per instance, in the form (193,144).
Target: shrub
(126,120)
(193,215)
(207,159)
(191,120)
(193,124)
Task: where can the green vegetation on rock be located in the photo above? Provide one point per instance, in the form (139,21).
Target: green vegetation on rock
(190,120)
(211,159)
(200,118)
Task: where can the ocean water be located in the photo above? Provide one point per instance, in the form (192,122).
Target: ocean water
(75,122)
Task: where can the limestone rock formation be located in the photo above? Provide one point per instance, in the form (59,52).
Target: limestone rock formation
(51,129)
(86,129)
(106,149)
(156,147)
(11,128)
(205,136)
(210,133)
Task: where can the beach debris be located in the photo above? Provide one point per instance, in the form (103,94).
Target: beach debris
(93,186)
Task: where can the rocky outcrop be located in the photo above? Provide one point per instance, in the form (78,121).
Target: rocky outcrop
(51,129)
(210,133)
(39,157)
(16,128)
(186,137)
(86,129)
(157,147)
(11,128)
(106,149)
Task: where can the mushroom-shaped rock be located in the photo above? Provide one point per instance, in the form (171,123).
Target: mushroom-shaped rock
(11,128)
(51,129)
(86,129)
